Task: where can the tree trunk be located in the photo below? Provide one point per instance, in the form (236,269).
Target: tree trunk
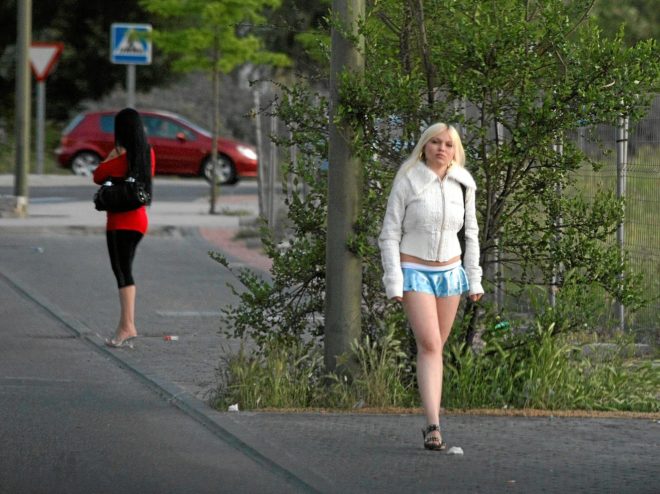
(417,6)
(343,268)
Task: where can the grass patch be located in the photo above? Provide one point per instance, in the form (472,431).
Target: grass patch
(234,212)
(548,372)
(290,374)
(485,412)
(542,372)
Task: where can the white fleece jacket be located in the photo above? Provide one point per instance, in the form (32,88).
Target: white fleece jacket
(424,215)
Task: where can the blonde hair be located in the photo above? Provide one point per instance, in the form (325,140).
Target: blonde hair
(435,129)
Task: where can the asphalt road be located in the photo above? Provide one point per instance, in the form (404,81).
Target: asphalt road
(73,421)
(73,417)
(165,189)
(76,417)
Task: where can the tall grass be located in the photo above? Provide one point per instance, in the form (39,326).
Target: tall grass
(547,371)
(289,374)
(285,375)
(533,370)
(381,376)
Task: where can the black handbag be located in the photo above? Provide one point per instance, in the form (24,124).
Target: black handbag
(120,195)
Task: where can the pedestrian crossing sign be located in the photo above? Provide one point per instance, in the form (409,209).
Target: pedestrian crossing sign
(130,44)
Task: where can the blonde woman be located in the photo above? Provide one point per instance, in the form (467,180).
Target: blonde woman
(421,254)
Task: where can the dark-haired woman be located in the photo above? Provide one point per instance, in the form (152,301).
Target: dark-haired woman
(133,157)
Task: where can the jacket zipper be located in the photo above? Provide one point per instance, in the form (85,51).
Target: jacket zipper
(442,224)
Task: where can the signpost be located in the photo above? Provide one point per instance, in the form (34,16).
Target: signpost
(43,58)
(23,90)
(130,45)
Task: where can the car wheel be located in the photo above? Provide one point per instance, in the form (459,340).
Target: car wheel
(84,163)
(225,171)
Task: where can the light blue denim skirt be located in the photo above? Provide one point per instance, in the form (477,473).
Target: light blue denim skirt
(441,281)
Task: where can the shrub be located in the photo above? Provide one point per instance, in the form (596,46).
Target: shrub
(546,371)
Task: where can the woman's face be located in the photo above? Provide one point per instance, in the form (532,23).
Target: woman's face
(439,151)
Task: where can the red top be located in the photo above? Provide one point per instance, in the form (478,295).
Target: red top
(130,220)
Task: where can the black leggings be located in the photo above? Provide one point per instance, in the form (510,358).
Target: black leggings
(121,247)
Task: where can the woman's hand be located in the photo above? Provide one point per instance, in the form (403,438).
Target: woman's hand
(113,154)
(397,299)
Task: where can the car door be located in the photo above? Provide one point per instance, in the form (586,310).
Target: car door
(171,142)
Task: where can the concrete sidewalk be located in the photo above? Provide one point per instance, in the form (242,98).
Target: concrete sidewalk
(340,453)
(52,214)
(55,212)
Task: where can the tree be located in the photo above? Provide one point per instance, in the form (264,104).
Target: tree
(214,36)
(518,78)
(640,19)
(84,70)
(294,29)
(534,74)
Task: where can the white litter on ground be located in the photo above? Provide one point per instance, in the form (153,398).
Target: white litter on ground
(455,450)
(233,408)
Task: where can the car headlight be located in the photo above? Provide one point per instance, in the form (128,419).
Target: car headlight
(249,153)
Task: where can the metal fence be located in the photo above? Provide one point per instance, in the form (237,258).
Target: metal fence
(635,176)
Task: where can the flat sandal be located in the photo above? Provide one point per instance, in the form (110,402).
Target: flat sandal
(433,443)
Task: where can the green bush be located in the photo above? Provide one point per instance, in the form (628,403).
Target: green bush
(288,374)
(546,371)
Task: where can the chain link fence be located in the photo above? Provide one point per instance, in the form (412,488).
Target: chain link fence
(638,181)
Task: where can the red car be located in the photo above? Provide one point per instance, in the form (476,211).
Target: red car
(181,147)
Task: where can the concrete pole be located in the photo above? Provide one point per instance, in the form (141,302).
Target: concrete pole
(260,146)
(272,173)
(558,269)
(293,157)
(41,124)
(23,96)
(130,86)
(497,264)
(621,172)
(343,268)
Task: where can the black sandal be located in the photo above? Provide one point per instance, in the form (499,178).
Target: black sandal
(433,443)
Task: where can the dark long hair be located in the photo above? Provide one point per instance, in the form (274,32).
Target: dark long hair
(129,134)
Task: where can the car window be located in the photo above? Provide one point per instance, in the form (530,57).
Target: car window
(165,128)
(73,123)
(108,123)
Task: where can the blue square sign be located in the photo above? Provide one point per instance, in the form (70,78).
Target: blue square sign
(130,44)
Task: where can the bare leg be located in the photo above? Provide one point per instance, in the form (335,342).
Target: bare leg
(126,327)
(422,315)
(447,307)
(431,319)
